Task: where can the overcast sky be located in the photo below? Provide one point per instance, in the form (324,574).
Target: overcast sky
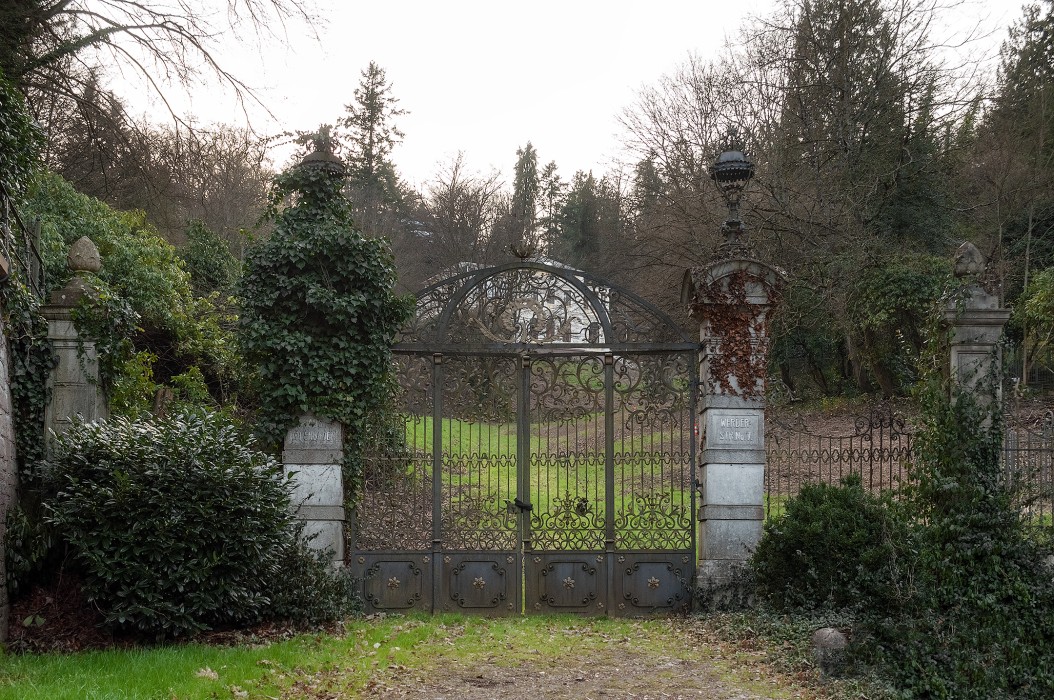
(486,76)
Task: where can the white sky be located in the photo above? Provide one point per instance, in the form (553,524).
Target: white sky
(486,76)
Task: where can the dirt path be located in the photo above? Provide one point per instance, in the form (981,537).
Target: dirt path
(564,658)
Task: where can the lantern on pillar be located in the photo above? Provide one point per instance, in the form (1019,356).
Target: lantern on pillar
(731,172)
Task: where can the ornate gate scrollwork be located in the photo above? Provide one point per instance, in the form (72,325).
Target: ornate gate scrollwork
(549,428)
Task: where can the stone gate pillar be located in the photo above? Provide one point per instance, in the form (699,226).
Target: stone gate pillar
(976,320)
(74,382)
(313,455)
(731,298)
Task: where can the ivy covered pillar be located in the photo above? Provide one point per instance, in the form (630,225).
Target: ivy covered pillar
(976,320)
(731,298)
(74,381)
(318,319)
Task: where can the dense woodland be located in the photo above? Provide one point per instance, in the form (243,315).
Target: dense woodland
(876,156)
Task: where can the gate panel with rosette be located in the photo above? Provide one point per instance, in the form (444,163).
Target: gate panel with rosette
(544,458)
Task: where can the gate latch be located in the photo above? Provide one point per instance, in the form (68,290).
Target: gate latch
(517,505)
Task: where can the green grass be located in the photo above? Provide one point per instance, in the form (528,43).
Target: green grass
(492,449)
(389,648)
(195,671)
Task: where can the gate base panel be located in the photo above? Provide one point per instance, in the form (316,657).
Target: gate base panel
(394,581)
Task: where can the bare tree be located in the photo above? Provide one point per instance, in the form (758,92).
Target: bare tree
(56,46)
(454,223)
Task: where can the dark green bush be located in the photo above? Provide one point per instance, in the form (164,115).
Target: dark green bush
(979,620)
(834,547)
(177,526)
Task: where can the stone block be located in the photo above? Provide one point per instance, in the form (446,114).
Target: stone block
(733,456)
(732,484)
(326,535)
(321,513)
(75,369)
(728,539)
(316,484)
(720,512)
(709,401)
(313,456)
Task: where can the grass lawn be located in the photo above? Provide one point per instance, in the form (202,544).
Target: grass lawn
(448,655)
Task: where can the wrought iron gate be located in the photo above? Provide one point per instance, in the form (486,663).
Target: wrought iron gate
(545,457)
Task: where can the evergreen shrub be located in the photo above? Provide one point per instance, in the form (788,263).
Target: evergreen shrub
(834,547)
(979,618)
(177,525)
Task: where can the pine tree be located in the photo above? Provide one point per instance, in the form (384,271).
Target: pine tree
(370,136)
(525,190)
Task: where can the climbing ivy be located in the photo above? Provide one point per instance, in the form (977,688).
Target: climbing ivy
(319,314)
(26,330)
(145,302)
(20,140)
(31,363)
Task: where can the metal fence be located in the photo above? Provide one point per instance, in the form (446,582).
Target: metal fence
(875,447)
(1038,376)
(1028,464)
(878,448)
(20,243)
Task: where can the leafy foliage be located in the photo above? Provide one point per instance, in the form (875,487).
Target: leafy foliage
(20,140)
(31,362)
(208,261)
(318,312)
(978,621)
(28,542)
(833,547)
(889,309)
(177,525)
(949,593)
(1034,313)
(145,302)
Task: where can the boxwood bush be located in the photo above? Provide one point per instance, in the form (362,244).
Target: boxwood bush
(834,547)
(177,525)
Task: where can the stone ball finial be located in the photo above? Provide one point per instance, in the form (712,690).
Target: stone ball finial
(84,256)
(969,261)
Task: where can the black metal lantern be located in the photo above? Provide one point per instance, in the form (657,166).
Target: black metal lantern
(732,171)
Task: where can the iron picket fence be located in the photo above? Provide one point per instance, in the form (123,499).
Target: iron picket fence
(878,448)
(20,243)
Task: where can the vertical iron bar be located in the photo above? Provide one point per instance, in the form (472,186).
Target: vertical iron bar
(437,476)
(693,438)
(609,477)
(523,476)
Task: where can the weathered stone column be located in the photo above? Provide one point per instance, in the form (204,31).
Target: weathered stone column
(8,470)
(976,321)
(731,298)
(74,382)
(313,455)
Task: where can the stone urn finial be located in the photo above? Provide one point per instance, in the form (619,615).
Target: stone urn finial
(84,261)
(84,256)
(969,262)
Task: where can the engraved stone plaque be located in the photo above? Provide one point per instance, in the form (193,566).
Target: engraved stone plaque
(314,434)
(736,429)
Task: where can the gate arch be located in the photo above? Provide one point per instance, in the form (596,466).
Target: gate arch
(544,459)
